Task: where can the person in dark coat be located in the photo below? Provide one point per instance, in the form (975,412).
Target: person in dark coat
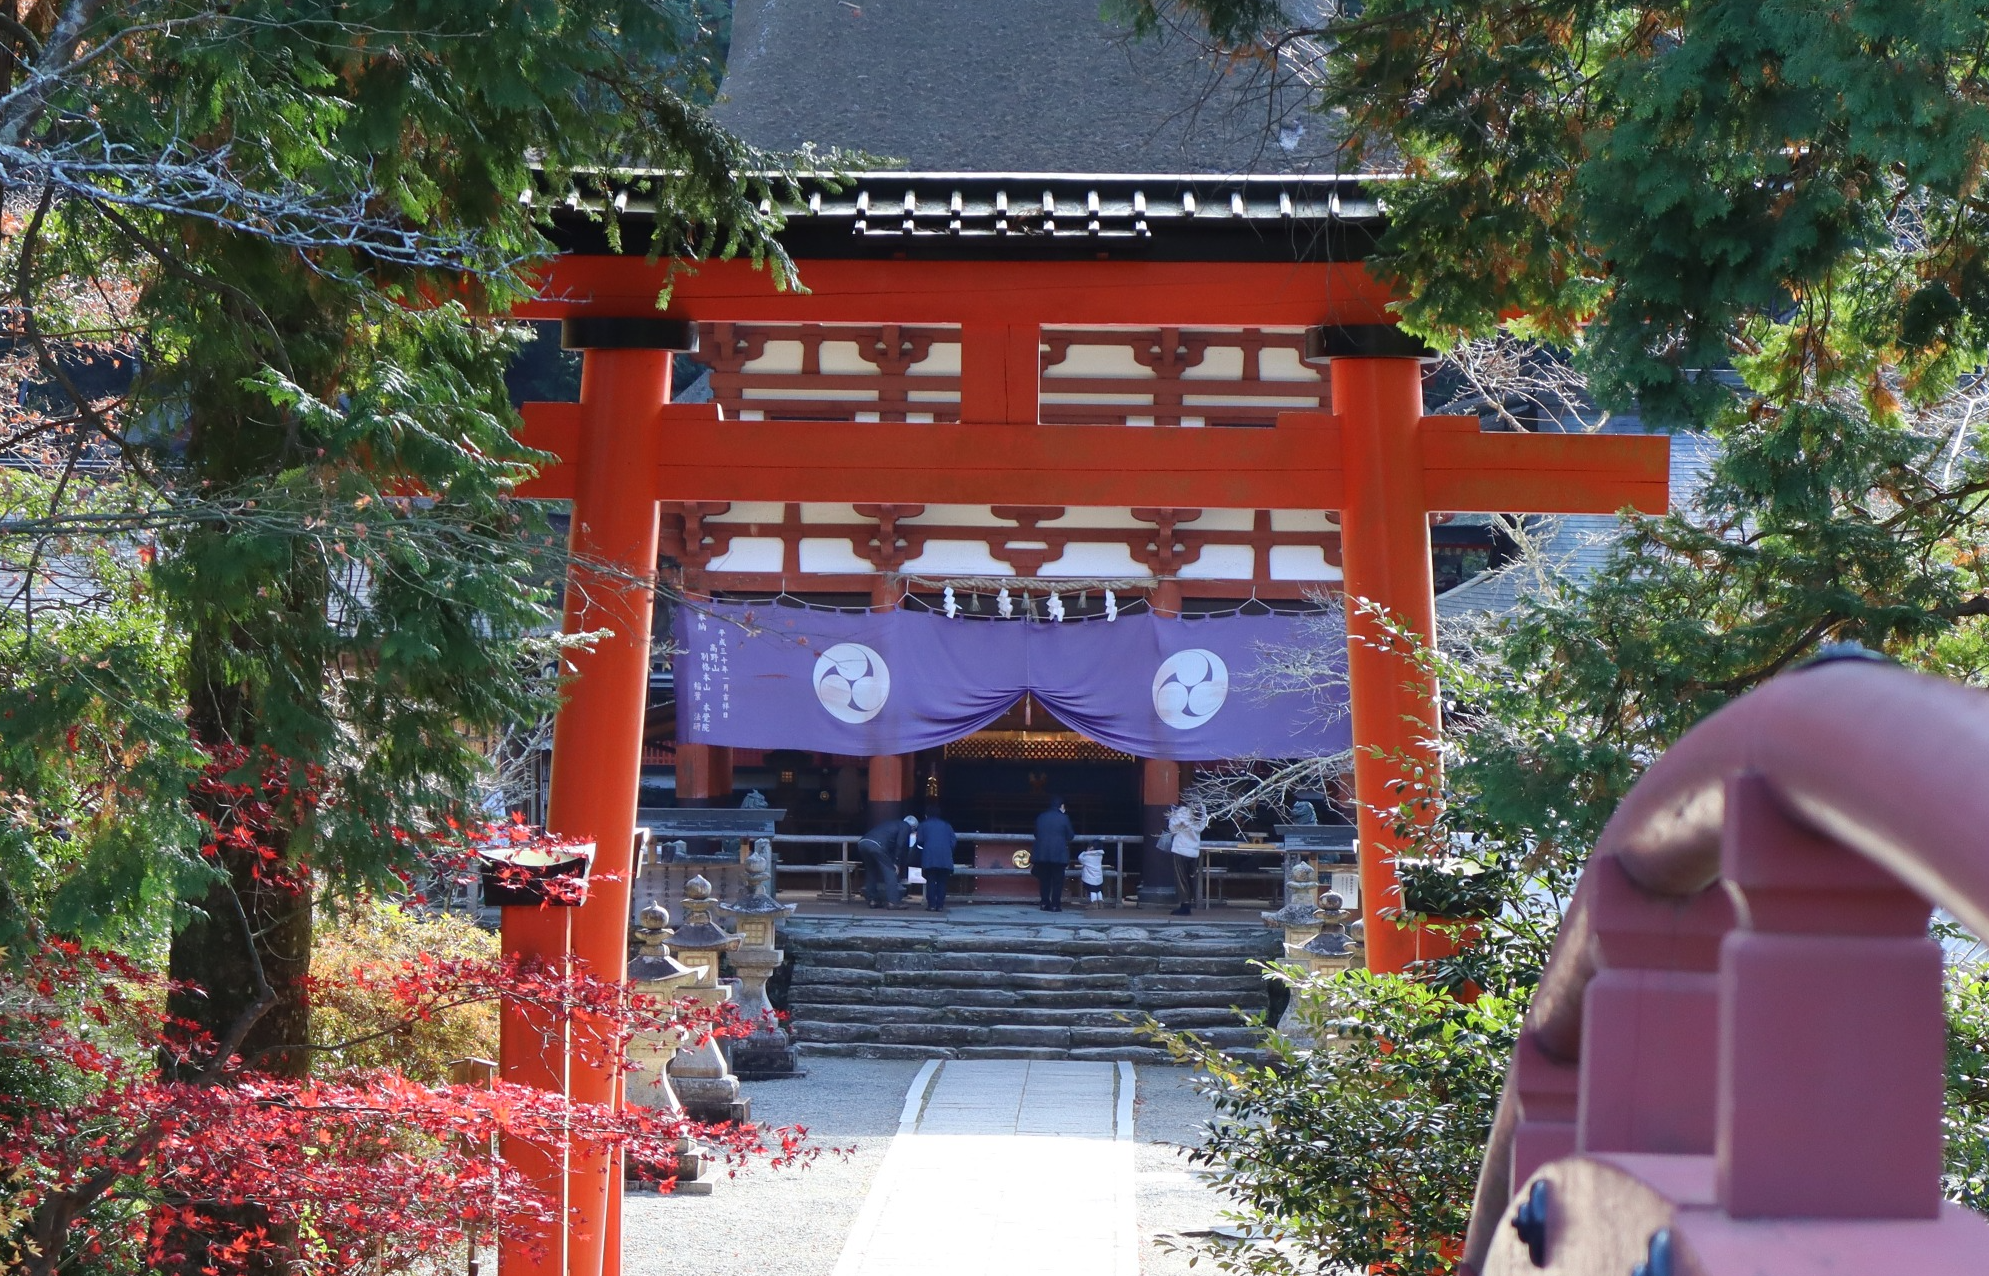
(883,851)
(1051,856)
(936,842)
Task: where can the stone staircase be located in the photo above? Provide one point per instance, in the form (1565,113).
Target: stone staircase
(972,989)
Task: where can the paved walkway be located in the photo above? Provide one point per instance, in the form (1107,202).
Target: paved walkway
(1005,1166)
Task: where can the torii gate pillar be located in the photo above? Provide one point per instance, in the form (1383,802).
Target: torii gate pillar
(1385,560)
(597,757)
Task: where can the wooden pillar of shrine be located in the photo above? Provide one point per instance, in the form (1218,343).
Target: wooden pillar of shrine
(704,774)
(890,787)
(1160,789)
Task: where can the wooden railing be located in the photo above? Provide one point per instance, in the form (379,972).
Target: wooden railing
(1734,1062)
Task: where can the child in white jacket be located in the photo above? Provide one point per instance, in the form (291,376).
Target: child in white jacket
(1091,871)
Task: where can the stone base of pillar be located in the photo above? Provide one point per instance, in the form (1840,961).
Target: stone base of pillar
(765,1056)
(712,1099)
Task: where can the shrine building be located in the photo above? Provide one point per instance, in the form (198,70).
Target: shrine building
(1081,416)
(1077,259)
(1027,132)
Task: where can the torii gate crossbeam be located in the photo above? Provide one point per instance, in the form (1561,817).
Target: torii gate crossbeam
(1376,458)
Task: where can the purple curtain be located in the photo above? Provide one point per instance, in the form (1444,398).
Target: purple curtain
(767,676)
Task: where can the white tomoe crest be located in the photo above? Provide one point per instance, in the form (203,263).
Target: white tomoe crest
(1189,688)
(852,682)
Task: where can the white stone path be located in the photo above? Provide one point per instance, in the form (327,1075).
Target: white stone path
(1004,1167)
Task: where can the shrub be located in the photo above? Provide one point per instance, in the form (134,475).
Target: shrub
(360,947)
(1361,1153)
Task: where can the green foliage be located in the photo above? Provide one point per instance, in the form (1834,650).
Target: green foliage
(1967,1109)
(363,946)
(1361,1153)
(1670,175)
(89,739)
(293,229)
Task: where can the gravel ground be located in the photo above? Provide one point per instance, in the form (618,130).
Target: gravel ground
(1173,1201)
(789,1222)
(793,1222)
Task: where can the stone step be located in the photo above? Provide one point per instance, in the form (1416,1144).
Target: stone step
(1047,999)
(865,1050)
(855,959)
(903,989)
(1235,984)
(1139,943)
(1031,1016)
(961,1036)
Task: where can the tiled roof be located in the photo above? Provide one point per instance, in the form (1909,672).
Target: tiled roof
(1040,215)
(1005,86)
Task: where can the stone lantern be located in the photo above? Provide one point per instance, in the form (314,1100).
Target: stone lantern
(768,1051)
(655,973)
(699,1074)
(1299,917)
(1330,949)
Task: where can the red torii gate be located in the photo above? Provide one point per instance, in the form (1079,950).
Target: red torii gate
(624,447)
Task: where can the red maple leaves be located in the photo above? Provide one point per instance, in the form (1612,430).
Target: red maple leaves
(173,1156)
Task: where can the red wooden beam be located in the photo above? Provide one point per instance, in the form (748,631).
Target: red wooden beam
(1466,470)
(1297,465)
(1019,294)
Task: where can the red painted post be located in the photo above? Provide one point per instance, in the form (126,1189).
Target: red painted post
(1385,556)
(1832,1039)
(597,736)
(1648,1016)
(1548,1093)
(532,1051)
(1000,373)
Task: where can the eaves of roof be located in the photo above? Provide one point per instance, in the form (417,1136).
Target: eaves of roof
(1025,217)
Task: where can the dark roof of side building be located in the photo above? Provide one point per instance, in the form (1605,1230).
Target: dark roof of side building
(1027,216)
(1007,86)
(1573,547)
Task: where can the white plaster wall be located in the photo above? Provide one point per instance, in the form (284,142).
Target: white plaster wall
(942,361)
(1301,521)
(1219,363)
(750,554)
(838,396)
(1092,560)
(1098,361)
(841,358)
(779,356)
(1050,394)
(1285,365)
(750,512)
(831,554)
(1254,401)
(1301,562)
(1222,562)
(817,512)
(952,558)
